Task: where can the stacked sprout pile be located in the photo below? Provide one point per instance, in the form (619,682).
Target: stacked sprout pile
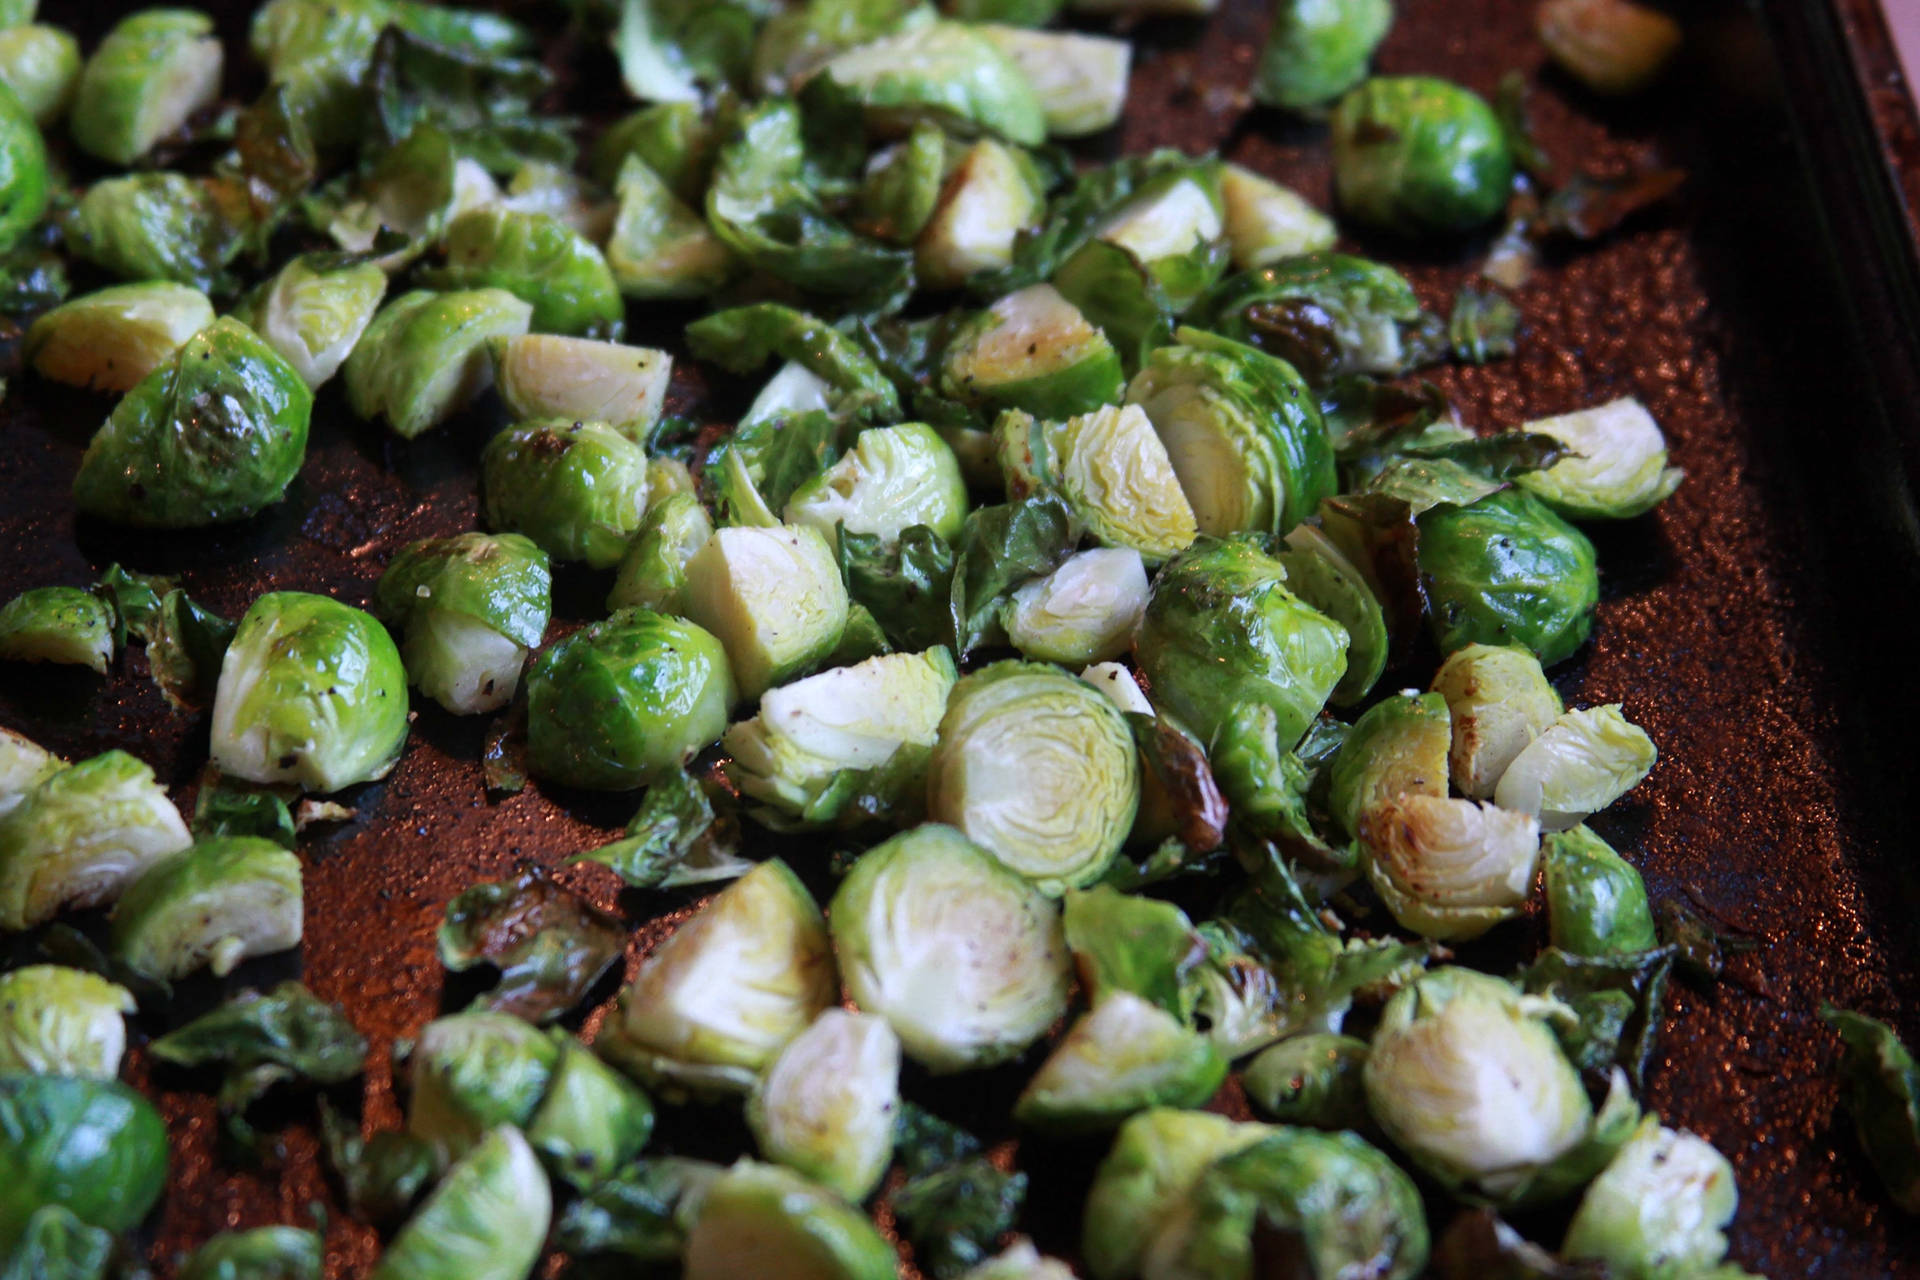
(1170,679)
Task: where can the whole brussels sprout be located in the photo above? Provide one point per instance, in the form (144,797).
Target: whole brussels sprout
(487,1220)
(1596,902)
(593,1120)
(653,573)
(945,72)
(425,355)
(93,1147)
(471,1072)
(264,1253)
(152,72)
(1267,222)
(311,691)
(1313,1079)
(56,1021)
(41,64)
(24,188)
(313,314)
(216,904)
(214,434)
(543,375)
(892,479)
(962,957)
(155,226)
(1580,764)
(774,597)
(1616,468)
(619,702)
(472,606)
(757,1218)
(1142,1184)
(1506,570)
(993,194)
(1032,350)
(59,624)
(1318,49)
(1419,156)
(1083,611)
(110,340)
(541,261)
(1081,80)
(826,1106)
(1499,701)
(1124,1056)
(579,489)
(1110,469)
(1660,1209)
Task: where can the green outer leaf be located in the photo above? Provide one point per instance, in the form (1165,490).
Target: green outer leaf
(549,944)
(55,1245)
(908,588)
(1618,1001)
(642,1212)
(1320,575)
(954,1214)
(482,99)
(60,624)
(1882,1087)
(742,339)
(593,1120)
(1121,942)
(487,1220)
(231,807)
(1001,547)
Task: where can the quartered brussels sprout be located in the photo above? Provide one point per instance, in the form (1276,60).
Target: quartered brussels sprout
(774,597)
(425,355)
(470,1072)
(592,1122)
(993,194)
(1110,469)
(1313,1079)
(758,1219)
(653,574)
(1125,1056)
(218,903)
(1032,350)
(313,313)
(1081,80)
(1318,49)
(1142,1184)
(826,1106)
(1610,46)
(892,479)
(56,1021)
(1596,902)
(41,65)
(264,1253)
(213,434)
(1267,222)
(24,182)
(487,1220)
(471,606)
(92,1147)
(540,260)
(1580,764)
(1499,701)
(660,248)
(578,489)
(155,69)
(714,1004)
(901,185)
(819,742)
(59,624)
(81,835)
(963,958)
(544,375)
(1659,1209)
(1397,747)
(1450,869)
(1506,570)
(154,226)
(1039,769)
(946,72)
(1416,156)
(1082,612)
(1617,467)
(311,691)
(112,339)
(624,700)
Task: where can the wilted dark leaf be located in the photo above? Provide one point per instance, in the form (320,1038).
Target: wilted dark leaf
(549,944)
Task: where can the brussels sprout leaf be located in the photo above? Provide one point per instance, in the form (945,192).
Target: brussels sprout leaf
(1000,548)
(755,469)
(955,1203)
(643,1212)
(1883,1092)
(185,644)
(1618,1000)
(1268,788)
(1484,326)
(1588,208)
(671,50)
(1477,1245)
(56,1245)
(1511,103)
(264,1253)
(1072,219)
(504,758)
(1376,531)
(1500,456)
(677,838)
(382,1175)
(1169,859)
(483,101)
(1426,483)
(1365,416)
(744,338)
(1125,943)
(905,587)
(1180,766)
(277,157)
(230,807)
(1701,948)
(549,944)
(137,597)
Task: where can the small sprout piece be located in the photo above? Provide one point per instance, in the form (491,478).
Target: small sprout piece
(548,943)
(759,1219)
(1397,747)
(659,248)
(218,903)
(155,69)
(112,339)
(24,765)
(1318,49)
(92,1147)
(1313,1079)
(826,1106)
(946,72)
(963,958)
(1081,79)
(487,1220)
(653,574)
(774,597)
(1081,612)
(425,355)
(81,836)
(1019,1261)
(618,703)
(1611,46)
(540,260)
(1450,869)
(1617,468)
(1124,1056)
(1320,573)
(1582,763)
(1109,468)
(56,1021)
(1417,156)
(41,64)
(1267,222)
(472,1071)
(1660,1209)
(542,375)
(24,181)
(313,314)
(214,434)
(1882,1090)
(471,606)
(902,183)
(59,624)
(593,1121)
(1141,1186)
(264,1253)
(991,196)
(892,479)
(1039,769)
(1033,350)
(1596,902)
(579,489)
(1499,701)
(1507,570)
(1117,683)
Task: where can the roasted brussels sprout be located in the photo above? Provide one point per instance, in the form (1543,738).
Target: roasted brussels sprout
(1082,612)
(757,1217)
(24,765)
(902,184)
(1267,222)
(1617,467)
(1109,468)
(24,184)
(218,903)
(1596,902)
(1313,1079)
(1124,1056)
(471,606)
(826,1106)
(1318,49)
(311,691)
(1019,1261)
(487,1220)
(1320,573)
(1397,747)
(774,597)
(1580,764)
(425,355)
(992,195)
(1032,350)
(56,1021)
(1506,570)
(59,624)
(593,1120)
(1141,1186)
(620,702)
(472,1071)
(963,958)
(540,260)
(264,1253)
(653,573)
(660,248)
(551,376)
(1499,701)
(41,64)
(1659,1209)
(1611,46)
(1418,156)
(946,72)
(892,479)
(313,313)
(1081,80)
(578,489)
(1450,869)
(112,339)
(92,1147)
(155,69)
(154,226)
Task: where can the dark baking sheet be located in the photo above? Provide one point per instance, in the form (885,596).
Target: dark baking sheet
(1755,624)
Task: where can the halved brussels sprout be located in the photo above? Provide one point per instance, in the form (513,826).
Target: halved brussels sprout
(263,1253)
(901,185)
(155,226)
(774,597)
(993,194)
(1318,49)
(1110,469)
(578,489)
(892,479)
(1119,686)
(1580,764)
(1039,769)
(1659,1209)
(1507,570)
(1081,612)
(155,69)
(56,1021)
(24,765)
(714,1004)
(1617,468)
(487,1220)
(1143,1182)
(1397,747)
(81,835)
(660,248)
(1032,350)
(593,1121)
(1596,902)
(218,903)
(1313,1079)
(761,1220)
(817,738)
(653,574)
(1610,46)
(826,1106)
(41,64)
(1320,573)
(111,339)
(1416,155)
(946,72)
(544,375)
(1124,1056)
(624,700)
(313,313)
(1081,80)
(963,958)
(471,606)
(1500,701)
(425,355)
(540,260)
(1450,869)
(311,691)
(470,1072)
(59,624)
(1266,221)
(93,1147)
(214,434)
